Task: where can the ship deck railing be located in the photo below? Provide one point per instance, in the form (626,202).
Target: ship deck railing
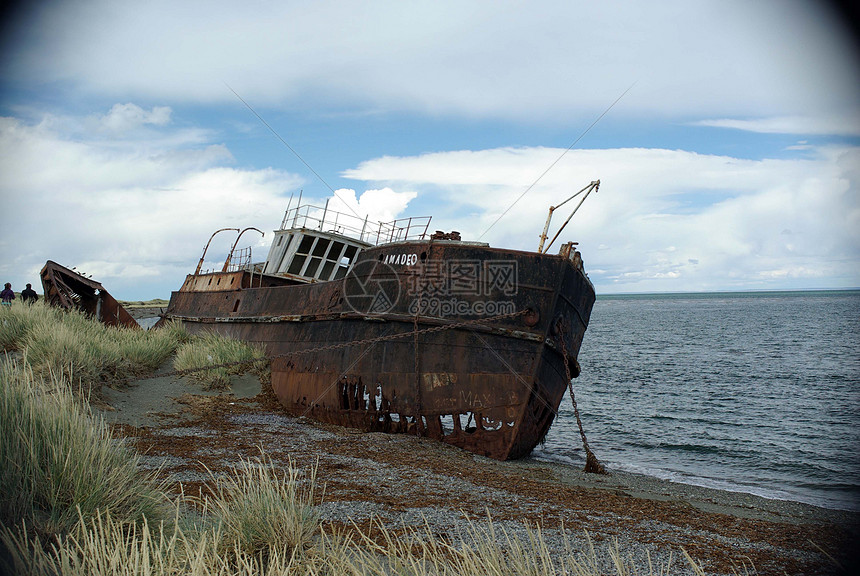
(239,260)
(326,220)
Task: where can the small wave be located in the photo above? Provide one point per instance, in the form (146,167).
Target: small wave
(702,449)
(669,390)
(833,487)
(545,456)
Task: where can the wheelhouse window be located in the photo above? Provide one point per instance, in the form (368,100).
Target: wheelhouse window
(301,255)
(322,258)
(345,261)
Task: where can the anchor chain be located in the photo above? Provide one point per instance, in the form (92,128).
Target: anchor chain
(414,332)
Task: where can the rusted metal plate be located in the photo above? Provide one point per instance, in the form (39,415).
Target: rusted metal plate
(485,372)
(67,289)
(221,281)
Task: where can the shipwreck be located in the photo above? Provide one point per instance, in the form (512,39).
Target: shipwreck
(388,327)
(69,289)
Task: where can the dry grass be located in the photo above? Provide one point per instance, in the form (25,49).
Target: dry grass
(57,461)
(56,341)
(258,508)
(213,349)
(102,546)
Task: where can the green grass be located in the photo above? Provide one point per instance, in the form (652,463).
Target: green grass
(88,353)
(17,319)
(104,546)
(258,508)
(101,545)
(56,341)
(57,461)
(211,350)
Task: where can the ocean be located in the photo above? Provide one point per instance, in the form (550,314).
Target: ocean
(754,392)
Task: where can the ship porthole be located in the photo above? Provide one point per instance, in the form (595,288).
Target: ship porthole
(423,256)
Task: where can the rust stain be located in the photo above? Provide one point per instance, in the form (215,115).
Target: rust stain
(480,366)
(68,289)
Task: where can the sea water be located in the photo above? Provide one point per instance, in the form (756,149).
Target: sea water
(752,392)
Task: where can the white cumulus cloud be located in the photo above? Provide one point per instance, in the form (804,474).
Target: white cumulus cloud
(555,60)
(382,205)
(134,216)
(123,117)
(662,219)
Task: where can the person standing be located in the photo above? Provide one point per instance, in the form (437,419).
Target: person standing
(28,295)
(7,295)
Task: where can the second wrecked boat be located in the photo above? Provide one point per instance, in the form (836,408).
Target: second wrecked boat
(388,328)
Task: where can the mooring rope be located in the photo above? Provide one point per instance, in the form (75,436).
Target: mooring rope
(592,464)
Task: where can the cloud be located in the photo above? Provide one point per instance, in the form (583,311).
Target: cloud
(123,117)
(383,205)
(134,214)
(662,219)
(510,60)
(56,154)
(790,125)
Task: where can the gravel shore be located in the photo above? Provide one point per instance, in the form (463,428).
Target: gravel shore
(402,480)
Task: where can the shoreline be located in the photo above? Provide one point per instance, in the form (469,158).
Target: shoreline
(403,480)
(734,502)
(763,493)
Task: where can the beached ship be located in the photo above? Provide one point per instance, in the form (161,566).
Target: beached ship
(387,327)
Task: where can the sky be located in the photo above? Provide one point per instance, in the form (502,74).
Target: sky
(725,134)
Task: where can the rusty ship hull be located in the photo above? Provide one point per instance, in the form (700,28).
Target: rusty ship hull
(472,360)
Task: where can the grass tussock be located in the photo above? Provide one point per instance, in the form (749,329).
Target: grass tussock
(88,353)
(211,350)
(259,509)
(104,546)
(57,461)
(482,548)
(56,341)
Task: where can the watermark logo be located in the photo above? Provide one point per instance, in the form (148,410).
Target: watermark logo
(462,288)
(475,278)
(440,288)
(453,306)
(371,287)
